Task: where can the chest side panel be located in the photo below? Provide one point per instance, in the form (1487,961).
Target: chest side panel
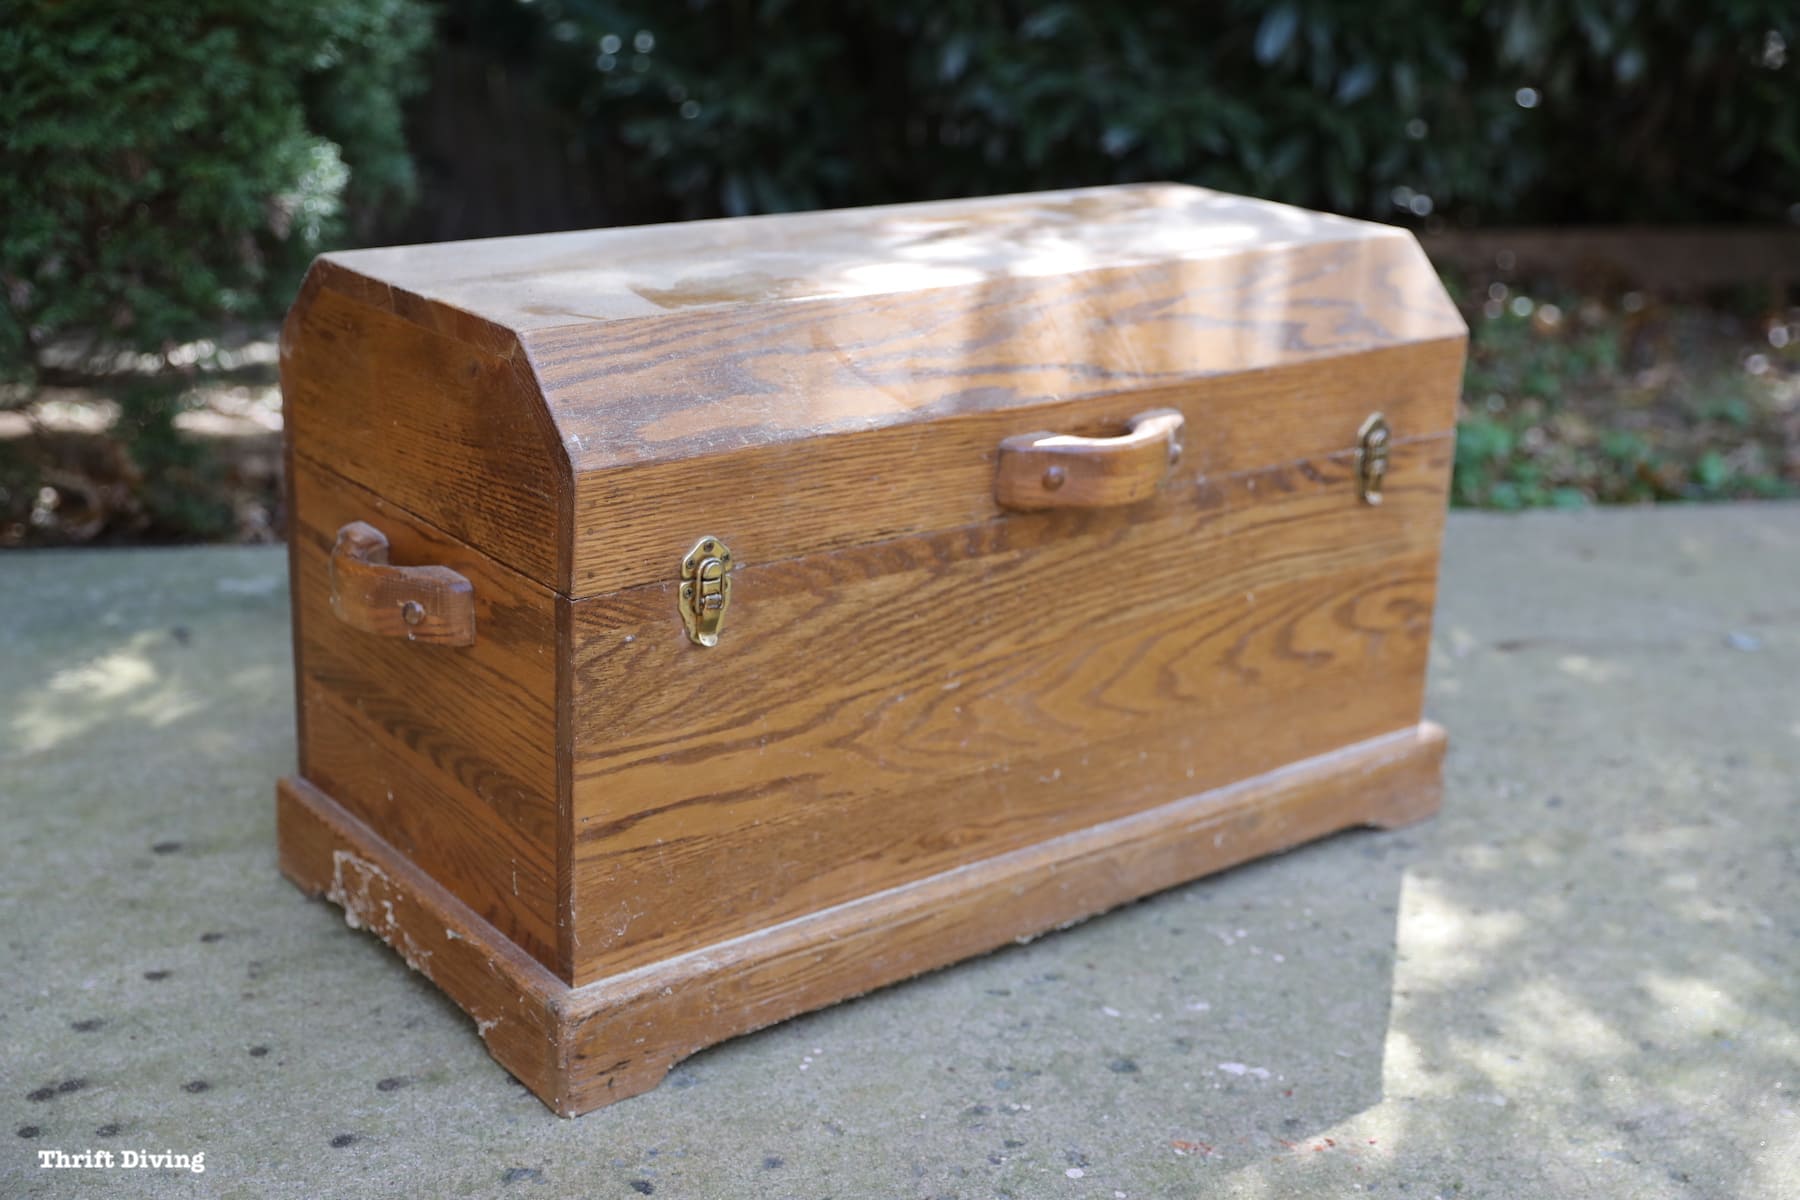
(888,712)
(447,752)
(429,408)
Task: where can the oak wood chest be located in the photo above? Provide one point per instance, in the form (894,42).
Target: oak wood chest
(699,624)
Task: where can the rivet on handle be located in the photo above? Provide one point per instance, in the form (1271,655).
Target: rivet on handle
(1062,470)
(435,605)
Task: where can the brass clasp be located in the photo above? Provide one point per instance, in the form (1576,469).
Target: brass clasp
(1372,457)
(705,590)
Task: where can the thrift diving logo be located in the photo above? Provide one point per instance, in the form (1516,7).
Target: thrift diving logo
(124,1160)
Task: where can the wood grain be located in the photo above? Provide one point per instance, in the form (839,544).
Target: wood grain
(450,430)
(756,424)
(789,501)
(581,1048)
(695,384)
(449,753)
(596,276)
(877,715)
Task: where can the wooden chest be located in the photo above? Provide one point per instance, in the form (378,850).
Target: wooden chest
(699,624)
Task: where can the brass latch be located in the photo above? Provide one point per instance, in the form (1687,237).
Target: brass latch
(1372,457)
(705,590)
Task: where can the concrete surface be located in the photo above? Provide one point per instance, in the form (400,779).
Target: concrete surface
(1582,980)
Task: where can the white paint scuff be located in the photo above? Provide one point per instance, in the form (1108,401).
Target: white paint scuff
(1237,1068)
(355,882)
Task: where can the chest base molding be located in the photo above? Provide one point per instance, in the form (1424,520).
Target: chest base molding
(581,1048)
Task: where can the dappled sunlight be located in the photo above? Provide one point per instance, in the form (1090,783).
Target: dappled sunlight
(1590,670)
(1684,1002)
(1548,1026)
(136,681)
(1549,1004)
(1445,942)
(106,678)
(1405,1069)
(78,700)
(1699,907)
(1477,1029)
(1589,965)
(1684,839)
(1773,1168)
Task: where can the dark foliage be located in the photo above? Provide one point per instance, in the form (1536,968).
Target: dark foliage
(168,166)
(1513,112)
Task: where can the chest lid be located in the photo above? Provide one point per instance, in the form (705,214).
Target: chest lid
(582,406)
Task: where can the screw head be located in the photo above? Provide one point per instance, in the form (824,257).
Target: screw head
(1054,477)
(412,612)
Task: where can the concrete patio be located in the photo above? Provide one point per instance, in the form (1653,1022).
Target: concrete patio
(1582,979)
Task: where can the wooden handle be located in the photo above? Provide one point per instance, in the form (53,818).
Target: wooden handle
(420,604)
(1059,470)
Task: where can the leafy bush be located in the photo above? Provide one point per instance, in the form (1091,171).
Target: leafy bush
(171,165)
(1576,400)
(1515,111)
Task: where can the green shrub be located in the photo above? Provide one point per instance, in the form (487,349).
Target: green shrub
(170,165)
(1515,111)
(1573,401)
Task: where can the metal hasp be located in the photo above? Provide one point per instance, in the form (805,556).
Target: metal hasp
(705,590)
(1372,457)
